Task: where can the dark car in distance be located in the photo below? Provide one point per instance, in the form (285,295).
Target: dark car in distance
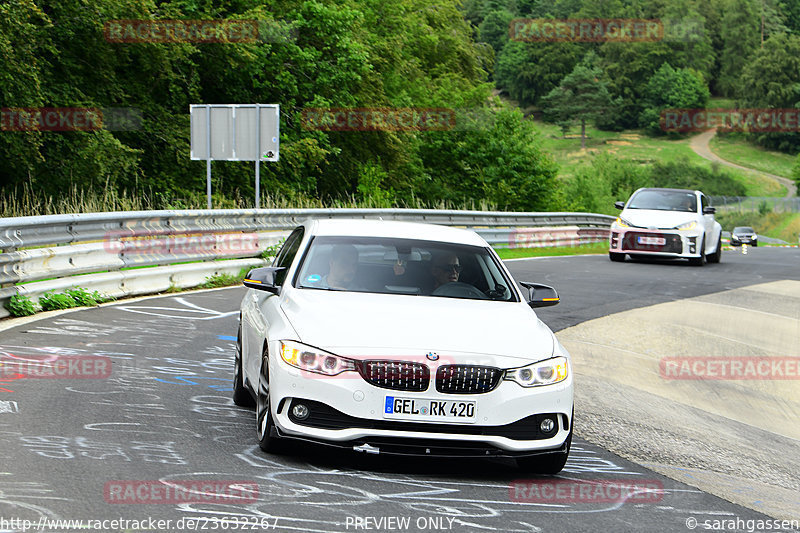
(744,235)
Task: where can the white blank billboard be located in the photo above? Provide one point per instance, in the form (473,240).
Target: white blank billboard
(232,132)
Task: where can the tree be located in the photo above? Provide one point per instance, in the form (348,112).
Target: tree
(582,95)
(740,38)
(498,158)
(771,79)
(671,88)
(528,71)
(494,28)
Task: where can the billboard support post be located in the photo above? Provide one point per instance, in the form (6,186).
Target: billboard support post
(258,159)
(208,159)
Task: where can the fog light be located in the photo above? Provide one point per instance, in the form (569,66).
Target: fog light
(547,425)
(300,411)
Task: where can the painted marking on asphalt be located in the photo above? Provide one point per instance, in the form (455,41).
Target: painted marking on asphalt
(8,407)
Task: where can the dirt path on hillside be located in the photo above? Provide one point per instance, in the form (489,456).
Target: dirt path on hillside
(699,144)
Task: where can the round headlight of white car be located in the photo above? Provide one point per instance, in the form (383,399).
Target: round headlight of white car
(545,372)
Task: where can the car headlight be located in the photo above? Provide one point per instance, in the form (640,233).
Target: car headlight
(314,360)
(621,222)
(545,372)
(687,225)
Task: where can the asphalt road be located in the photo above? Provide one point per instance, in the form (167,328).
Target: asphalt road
(164,415)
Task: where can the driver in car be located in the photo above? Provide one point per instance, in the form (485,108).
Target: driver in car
(445,269)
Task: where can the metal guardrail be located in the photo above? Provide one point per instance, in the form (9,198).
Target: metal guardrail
(100,251)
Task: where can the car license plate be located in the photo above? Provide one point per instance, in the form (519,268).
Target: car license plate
(452,411)
(654,241)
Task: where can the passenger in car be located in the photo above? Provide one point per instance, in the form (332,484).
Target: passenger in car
(445,268)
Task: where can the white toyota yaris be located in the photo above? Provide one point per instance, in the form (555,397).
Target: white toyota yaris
(676,223)
(402,338)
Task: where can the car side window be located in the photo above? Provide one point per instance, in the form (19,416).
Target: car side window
(287,253)
(703,202)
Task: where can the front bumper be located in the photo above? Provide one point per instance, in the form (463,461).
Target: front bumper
(349,414)
(677,244)
(738,241)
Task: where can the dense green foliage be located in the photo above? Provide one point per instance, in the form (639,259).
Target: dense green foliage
(366,53)
(353,53)
(50,301)
(580,97)
(718,42)
(605,180)
(20,305)
(669,88)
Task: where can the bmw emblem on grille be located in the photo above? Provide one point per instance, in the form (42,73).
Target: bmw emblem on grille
(432,356)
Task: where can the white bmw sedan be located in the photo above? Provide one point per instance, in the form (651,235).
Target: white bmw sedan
(402,338)
(674,223)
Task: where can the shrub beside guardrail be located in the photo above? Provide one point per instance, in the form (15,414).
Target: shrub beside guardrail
(104,251)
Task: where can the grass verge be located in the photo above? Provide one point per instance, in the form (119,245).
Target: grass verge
(638,147)
(519,253)
(784,226)
(743,153)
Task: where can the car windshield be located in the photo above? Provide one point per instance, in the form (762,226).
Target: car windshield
(743,229)
(403,266)
(664,201)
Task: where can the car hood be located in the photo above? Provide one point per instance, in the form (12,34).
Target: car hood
(384,325)
(647,218)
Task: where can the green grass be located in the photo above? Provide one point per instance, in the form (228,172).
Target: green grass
(719,102)
(27,202)
(517,253)
(749,155)
(635,145)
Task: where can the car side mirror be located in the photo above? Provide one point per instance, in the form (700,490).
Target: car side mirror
(619,205)
(540,295)
(263,279)
(708,210)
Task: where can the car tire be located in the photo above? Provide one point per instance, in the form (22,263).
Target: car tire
(616,257)
(241,396)
(549,464)
(755,243)
(700,261)
(716,257)
(264,422)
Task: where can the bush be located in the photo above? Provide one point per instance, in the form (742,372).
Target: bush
(50,301)
(224,280)
(82,297)
(272,250)
(671,88)
(20,305)
(682,174)
(594,188)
